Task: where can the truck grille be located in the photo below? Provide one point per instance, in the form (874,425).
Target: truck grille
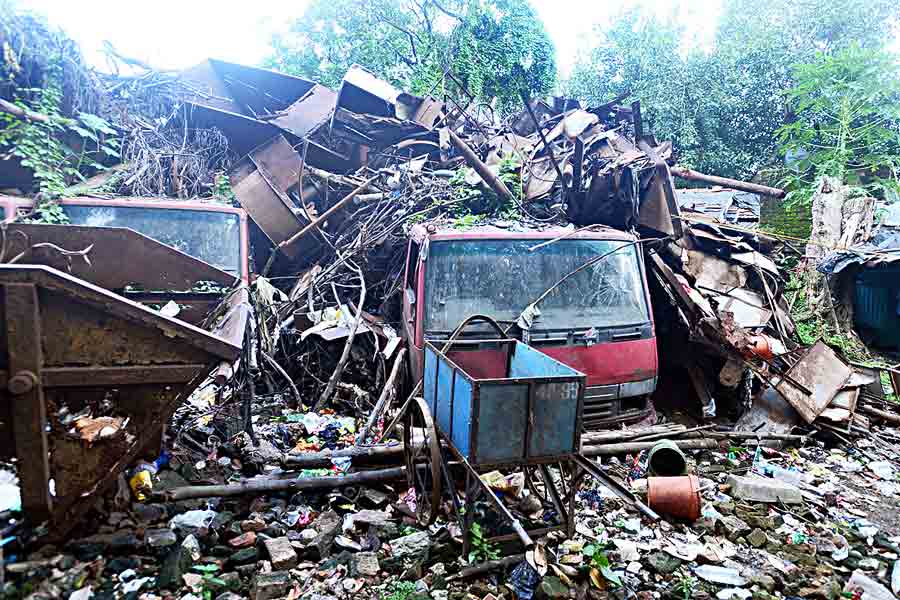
(604,407)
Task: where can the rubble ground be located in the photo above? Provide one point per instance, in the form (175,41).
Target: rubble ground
(358,541)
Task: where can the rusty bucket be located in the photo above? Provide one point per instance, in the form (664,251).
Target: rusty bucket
(666,459)
(675,496)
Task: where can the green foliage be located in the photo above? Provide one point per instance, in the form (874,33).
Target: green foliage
(890,394)
(482,549)
(493,47)
(35,143)
(222,189)
(814,324)
(467,221)
(473,200)
(334,34)
(501,47)
(846,107)
(49,212)
(39,144)
(209,580)
(685,584)
(399,590)
(722,105)
(599,561)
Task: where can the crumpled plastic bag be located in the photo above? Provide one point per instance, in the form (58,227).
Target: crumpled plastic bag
(512,484)
(524,579)
(192,520)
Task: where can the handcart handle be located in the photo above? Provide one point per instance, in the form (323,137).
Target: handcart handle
(475,319)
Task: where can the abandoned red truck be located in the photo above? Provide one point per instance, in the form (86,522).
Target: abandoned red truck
(196,248)
(598,320)
(213,232)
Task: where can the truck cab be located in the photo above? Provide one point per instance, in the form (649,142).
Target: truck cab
(597,321)
(211,232)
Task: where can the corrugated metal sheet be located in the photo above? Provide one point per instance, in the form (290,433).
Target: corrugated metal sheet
(875,305)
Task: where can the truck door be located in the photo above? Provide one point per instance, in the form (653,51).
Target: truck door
(411,310)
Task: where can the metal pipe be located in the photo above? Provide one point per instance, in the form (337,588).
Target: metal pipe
(325,215)
(270,484)
(482,169)
(501,508)
(540,130)
(744,186)
(594,470)
(614,449)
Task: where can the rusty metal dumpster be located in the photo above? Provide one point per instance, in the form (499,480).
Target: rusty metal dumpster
(67,348)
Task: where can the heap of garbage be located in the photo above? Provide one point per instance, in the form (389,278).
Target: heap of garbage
(763,472)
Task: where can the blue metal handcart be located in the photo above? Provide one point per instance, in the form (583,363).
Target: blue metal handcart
(490,403)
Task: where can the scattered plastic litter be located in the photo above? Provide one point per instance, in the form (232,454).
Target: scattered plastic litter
(722,575)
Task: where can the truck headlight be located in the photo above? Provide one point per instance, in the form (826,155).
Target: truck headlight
(637,388)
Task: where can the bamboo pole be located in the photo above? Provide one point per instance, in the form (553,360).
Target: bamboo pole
(382,400)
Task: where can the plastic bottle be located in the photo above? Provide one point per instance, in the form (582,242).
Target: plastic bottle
(141,480)
(141,477)
(786,475)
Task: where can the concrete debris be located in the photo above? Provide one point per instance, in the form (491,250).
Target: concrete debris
(759,489)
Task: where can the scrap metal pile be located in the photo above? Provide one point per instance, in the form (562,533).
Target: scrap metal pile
(335,180)
(267,474)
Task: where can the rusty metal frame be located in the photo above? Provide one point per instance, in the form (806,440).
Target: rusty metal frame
(42,364)
(29,410)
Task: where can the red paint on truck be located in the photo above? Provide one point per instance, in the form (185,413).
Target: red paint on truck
(598,321)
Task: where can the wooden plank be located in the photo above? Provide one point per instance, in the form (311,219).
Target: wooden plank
(29,412)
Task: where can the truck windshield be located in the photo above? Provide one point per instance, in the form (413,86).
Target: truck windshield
(502,277)
(213,237)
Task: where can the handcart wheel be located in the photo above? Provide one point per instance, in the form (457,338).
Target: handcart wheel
(423,461)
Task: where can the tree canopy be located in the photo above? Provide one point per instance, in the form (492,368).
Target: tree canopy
(846,108)
(493,48)
(722,105)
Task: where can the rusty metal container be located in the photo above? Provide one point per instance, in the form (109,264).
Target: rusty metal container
(675,496)
(666,459)
(70,347)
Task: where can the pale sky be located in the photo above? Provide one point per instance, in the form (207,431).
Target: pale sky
(177,34)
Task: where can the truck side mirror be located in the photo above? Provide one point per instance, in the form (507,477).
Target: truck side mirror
(410,296)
